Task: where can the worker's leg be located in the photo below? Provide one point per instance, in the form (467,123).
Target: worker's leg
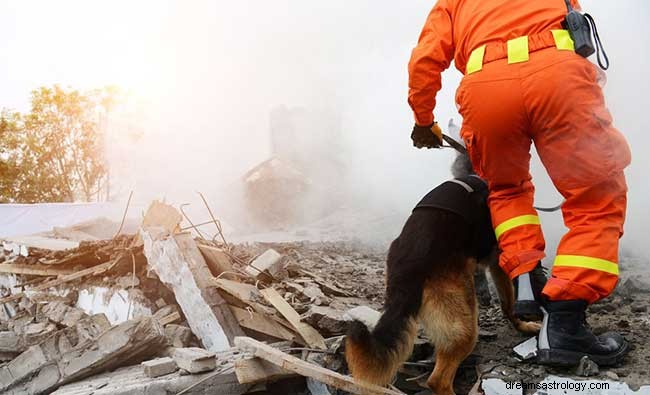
(584,155)
(495,131)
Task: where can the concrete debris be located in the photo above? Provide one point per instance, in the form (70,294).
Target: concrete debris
(179,264)
(178,335)
(526,350)
(194,359)
(365,314)
(159,367)
(270,262)
(587,367)
(178,304)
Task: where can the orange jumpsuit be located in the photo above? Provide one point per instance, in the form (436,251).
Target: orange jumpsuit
(541,92)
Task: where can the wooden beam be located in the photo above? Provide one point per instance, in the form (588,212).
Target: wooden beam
(32,270)
(91,271)
(216,258)
(311,335)
(261,323)
(304,368)
(257,370)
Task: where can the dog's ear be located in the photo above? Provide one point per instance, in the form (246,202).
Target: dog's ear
(462,166)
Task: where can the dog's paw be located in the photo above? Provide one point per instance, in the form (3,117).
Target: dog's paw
(528,327)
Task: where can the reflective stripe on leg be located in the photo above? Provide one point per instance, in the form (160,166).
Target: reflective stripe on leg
(516,222)
(586,262)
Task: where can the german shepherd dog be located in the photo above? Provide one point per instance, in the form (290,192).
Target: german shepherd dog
(430,280)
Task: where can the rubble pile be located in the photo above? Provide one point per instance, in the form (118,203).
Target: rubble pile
(208,317)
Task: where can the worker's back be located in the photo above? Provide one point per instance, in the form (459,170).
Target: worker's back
(476,22)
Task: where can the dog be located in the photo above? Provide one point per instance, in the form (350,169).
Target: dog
(430,280)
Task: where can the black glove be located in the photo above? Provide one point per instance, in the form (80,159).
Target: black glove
(427,136)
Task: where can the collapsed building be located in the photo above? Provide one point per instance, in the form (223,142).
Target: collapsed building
(84,310)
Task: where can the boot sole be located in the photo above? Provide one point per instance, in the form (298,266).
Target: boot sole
(528,310)
(567,358)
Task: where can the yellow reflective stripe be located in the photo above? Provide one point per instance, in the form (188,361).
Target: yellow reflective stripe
(518,50)
(587,262)
(515,222)
(563,40)
(475,61)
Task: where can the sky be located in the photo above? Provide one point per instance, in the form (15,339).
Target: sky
(204,76)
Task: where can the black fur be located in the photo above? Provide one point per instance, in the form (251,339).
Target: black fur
(432,243)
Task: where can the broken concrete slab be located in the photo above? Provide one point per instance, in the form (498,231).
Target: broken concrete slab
(58,360)
(62,314)
(326,319)
(179,264)
(159,367)
(365,314)
(178,335)
(526,350)
(194,359)
(10,342)
(269,262)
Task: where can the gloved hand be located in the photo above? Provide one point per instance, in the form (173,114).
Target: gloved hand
(427,136)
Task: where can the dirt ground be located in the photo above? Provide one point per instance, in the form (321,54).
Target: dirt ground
(360,270)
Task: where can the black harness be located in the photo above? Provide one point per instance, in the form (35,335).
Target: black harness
(467,197)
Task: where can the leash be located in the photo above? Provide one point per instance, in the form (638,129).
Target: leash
(454,144)
(462,150)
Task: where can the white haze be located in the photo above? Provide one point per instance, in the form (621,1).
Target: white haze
(206,74)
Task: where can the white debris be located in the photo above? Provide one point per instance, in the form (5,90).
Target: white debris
(527,349)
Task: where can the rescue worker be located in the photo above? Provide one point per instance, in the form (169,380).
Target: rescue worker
(523,83)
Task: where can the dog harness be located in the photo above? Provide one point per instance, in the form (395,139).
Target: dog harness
(467,197)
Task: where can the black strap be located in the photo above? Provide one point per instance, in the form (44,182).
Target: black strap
(599,44)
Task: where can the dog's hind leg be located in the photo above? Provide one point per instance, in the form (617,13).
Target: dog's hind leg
(449,317)
(507,298)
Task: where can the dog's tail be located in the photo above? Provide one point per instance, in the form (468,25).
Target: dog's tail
(374,357)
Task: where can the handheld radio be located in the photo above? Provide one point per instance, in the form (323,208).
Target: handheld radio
(579,27)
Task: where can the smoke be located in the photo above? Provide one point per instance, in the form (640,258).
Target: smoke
(205,77)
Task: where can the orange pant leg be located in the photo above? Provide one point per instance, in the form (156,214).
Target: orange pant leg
(584,156)
(496,132)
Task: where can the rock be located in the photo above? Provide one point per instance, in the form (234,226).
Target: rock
(326,319)
(639,308)
(159,367)
(364,314)
(63,314)
(611,375)
(586,368)
(194,359)
(486,335)
(527,349)
(128,281)
(178,335)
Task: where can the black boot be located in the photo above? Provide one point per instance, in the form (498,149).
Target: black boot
(528,294)
(565,337)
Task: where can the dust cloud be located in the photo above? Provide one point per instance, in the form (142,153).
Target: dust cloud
(212,73)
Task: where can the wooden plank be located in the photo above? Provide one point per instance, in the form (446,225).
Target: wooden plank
(91,271)
(216,258)
(257,370)
(311,335)
(260,323)
(246,293)
(177,261)
(173,317)
(32,270)
(304,368)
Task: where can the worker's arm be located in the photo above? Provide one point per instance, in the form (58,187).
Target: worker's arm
(432,55)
